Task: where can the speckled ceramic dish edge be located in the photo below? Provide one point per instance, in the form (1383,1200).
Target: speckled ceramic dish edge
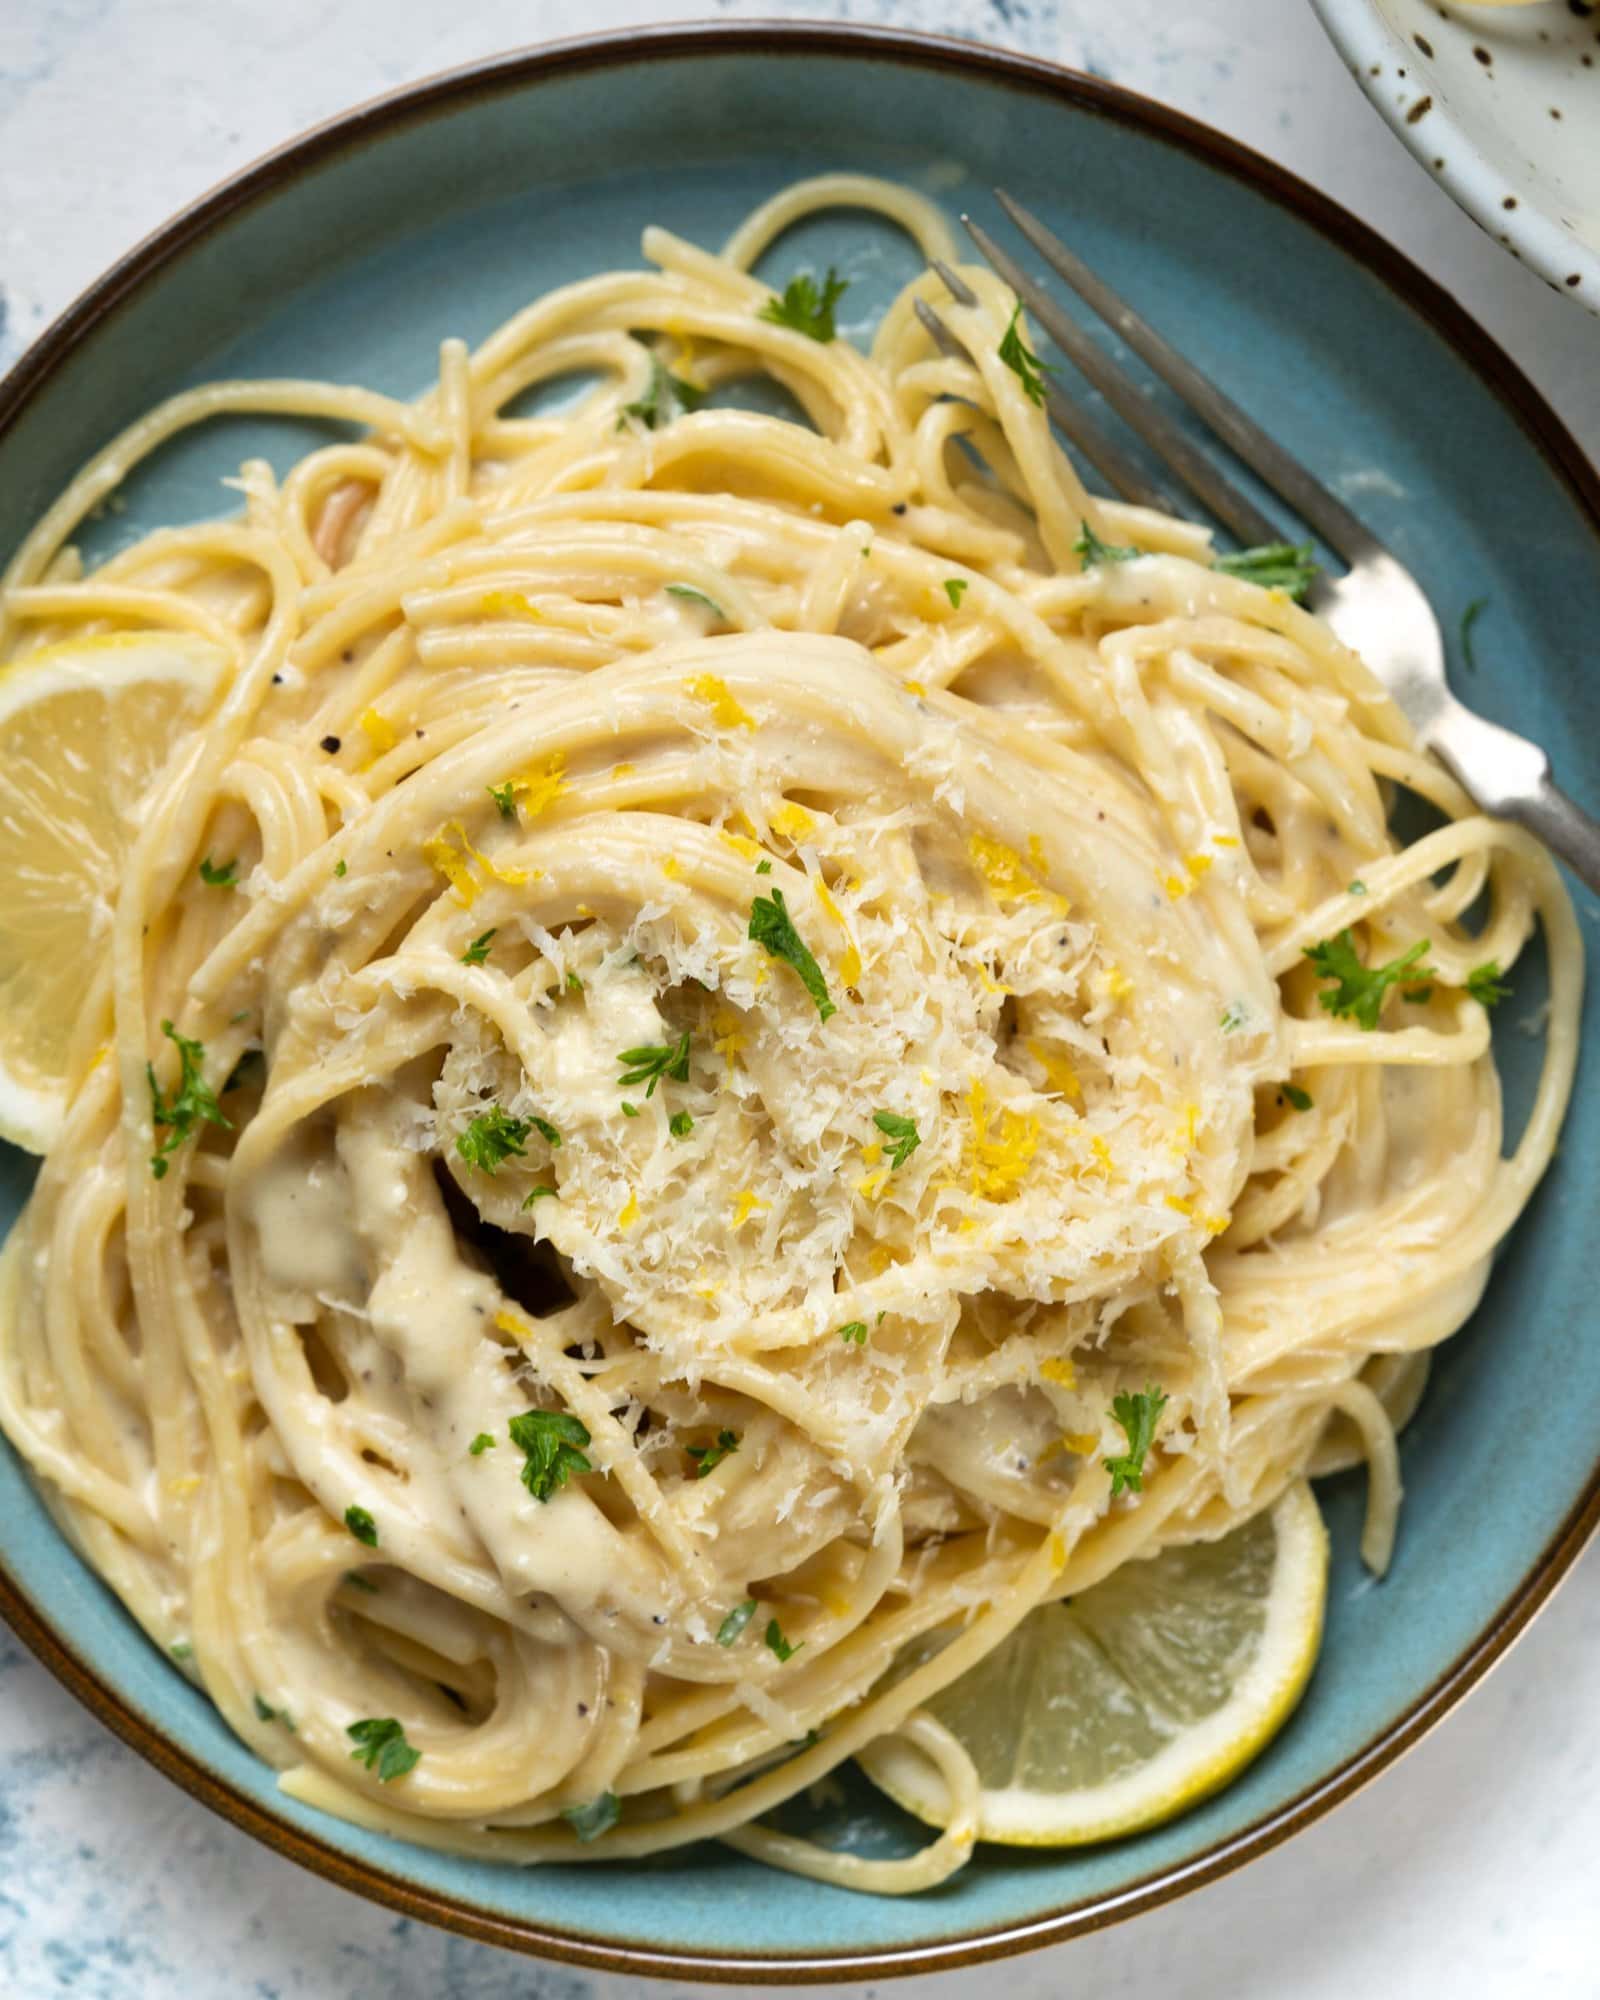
(1394,73)
(920,1937)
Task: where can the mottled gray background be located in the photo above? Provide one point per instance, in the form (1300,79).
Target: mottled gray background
(1467,1872)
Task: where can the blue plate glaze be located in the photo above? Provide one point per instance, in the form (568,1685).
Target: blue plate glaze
(440,211)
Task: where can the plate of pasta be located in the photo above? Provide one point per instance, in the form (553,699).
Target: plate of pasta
(758,1153)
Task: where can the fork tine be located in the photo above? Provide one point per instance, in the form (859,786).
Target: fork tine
(1287,477)
(1079,428)
(1158,430)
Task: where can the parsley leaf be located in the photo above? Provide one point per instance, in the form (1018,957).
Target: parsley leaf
(652,1061)
(680,1124)
(551,1441)
(545,1130)
(805,309)
(1137,1415)
(690,595)
(361,1525)
(382,1746)
(666,395)
(224,876)
(902,1132)
(1092,552)
(1358,992)
(191,1103)
(1029,370)
(492,1138)
(536,1194)
(505,798)
(777,1643)
(1485,984)
(478,951)
(484,1441)
(705,1456)
(1286,566)
(735,1622)
(856,1330)
(599,1816)
(1469,618)
(772,927)
(955,588)
(1300,1099)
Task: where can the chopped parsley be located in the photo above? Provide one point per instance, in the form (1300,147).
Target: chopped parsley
(362,1526)
(735,1622)
(804,308)
(1469,618)
(505,799)
(250,1069)
(1137,1415)
(492,1138)
(955,588)
(901,1132)
(381,1745)
(772,927)
(552,1443)
(574,983)
(652,1061)
(1300,1099)
(537,1194)
(341,868)
(1029,370)
(1233,1018)
(1358,990)
(763,867)
(854,1330)
(777,1643)
(1286,566)
(1092,552)
(680,1124)
(1356,888)
(357,1581)
(1485,984)
(484,1441)
(629,1110)
(224,876)
(181,1649)
(478,951)
(545,1130)
(662,400)
(706,1456)
(690,595)
(268,1713)
(192,1103)
(599,1816)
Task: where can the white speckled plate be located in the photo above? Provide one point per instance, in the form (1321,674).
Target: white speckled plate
(1502,105)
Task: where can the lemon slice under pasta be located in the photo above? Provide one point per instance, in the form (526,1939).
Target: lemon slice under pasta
(84,727)
(1139,1697)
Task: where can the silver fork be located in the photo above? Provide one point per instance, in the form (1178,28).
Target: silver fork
(1377,607)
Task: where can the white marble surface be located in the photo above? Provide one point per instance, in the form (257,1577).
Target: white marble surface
(1468,1871)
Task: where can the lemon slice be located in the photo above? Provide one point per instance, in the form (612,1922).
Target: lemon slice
(1138,1698)
(84,727)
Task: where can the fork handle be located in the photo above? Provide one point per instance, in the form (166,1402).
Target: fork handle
(1510,777)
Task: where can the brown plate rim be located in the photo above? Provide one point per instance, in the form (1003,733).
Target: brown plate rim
(1543,429)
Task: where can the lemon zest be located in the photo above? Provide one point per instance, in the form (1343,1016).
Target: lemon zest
(1080,1442)
(1059,1074)
(726,711)
(538,787)
(915,687)
(746,1203)
(729,1037)
(379,731)
(792,822)
(850,957)
(672,868)
(518,601)
(1181,1203)
(1007,875)
(623,770)
(998,1160)
(629,1212)
(1056,1368)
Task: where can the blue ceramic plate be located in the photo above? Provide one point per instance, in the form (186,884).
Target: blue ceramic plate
(438,211)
